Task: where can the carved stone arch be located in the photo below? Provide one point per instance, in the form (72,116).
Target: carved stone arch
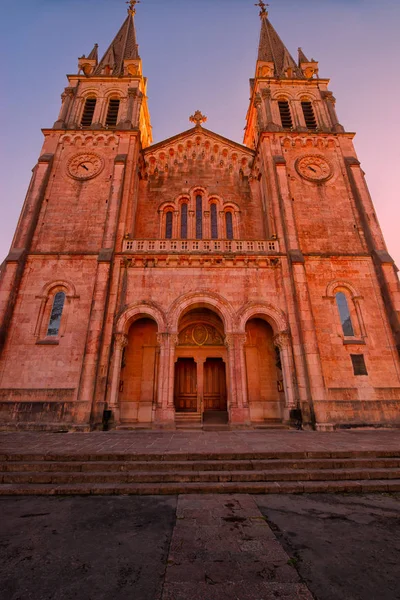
(68,286)
(111,139)
(340,284)
(47,296)
(272,314)
(88,140)
(170,204)
(229,205)
(113,92)
(198,189)
(204,299)
(216,199)
(90,93)
(182,199)
(139,311)
(282,95)
(307,96)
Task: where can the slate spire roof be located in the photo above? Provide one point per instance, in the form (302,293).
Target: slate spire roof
(123,46)
(94,55)
(302,57)
(272,49)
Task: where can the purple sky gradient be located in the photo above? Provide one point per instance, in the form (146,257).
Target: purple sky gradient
(200,55)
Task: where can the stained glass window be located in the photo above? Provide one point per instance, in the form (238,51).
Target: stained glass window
(184,221)
(229,225)
(199,218)
(214,222)
(56,313)
(344,312)
(168,225)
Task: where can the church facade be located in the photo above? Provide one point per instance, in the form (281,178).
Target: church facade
(160,285)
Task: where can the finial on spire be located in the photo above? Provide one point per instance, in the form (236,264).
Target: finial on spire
(132,7)
(198,118)
(263,11)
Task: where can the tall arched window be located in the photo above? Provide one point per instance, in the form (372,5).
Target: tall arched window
(88,112)
(168,225)
(286,117)
(184,221)
(229,225)
(309,116)
(112,112)
(347,325)
(214,222)
(199,217)
(56,314)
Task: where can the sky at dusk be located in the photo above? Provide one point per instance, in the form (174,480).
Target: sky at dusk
(200,54)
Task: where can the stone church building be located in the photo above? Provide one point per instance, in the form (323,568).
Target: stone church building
(163,285)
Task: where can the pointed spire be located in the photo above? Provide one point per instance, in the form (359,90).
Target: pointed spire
(123,47)
(273,50)
(94,55)
(302,57)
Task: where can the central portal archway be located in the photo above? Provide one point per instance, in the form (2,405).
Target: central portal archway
(200,366)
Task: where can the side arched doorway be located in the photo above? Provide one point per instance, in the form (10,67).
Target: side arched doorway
(139,367)
(265,390)
(200,383)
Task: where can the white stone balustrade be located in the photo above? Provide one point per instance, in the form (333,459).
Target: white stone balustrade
(204,246)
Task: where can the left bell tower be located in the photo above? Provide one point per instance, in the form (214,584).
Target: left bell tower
(55,282)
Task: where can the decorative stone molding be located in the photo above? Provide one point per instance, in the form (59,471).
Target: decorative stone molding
(282,340)
(121,340)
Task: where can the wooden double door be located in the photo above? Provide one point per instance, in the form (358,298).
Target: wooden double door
(196,380)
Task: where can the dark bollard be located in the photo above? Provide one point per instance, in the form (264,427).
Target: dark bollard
(296,418)
(107,414)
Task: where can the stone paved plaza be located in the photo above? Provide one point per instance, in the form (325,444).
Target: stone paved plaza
(199,442)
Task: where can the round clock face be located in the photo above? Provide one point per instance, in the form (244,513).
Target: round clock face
(85,166)
(314,168)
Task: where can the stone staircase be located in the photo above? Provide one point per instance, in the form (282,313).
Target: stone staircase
(183,473)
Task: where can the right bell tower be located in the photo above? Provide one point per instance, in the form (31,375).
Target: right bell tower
(339,281)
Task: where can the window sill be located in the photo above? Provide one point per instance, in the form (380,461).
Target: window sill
(48,342)
(353,342)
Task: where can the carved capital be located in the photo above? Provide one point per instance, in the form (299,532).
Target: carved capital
(173,339)
(121,340)
(132,92)
(282,340)
(266,93)
(257,101)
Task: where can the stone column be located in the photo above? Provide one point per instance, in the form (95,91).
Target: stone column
(282,341)
(239,406)
(260,115)
(191,225)
(66,98)
(132,93)
(330,102)
(206,225)
(120,342)
(165,413)
(200,384)
(271,126)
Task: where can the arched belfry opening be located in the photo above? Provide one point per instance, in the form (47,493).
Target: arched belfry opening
(265,388)
(139,367)
(200,383)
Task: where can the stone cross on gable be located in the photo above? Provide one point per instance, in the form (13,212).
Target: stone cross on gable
(198,118)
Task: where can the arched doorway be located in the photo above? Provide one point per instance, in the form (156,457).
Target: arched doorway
(264,373)
(138,380)
(200,387)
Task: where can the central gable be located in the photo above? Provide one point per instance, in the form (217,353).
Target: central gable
(197,150)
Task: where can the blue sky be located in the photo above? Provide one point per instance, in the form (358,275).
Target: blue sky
(201,55)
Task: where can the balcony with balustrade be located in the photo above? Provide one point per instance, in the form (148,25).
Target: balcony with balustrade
(235,247)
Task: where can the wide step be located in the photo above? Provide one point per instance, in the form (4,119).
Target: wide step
(180,473)
(85,489)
